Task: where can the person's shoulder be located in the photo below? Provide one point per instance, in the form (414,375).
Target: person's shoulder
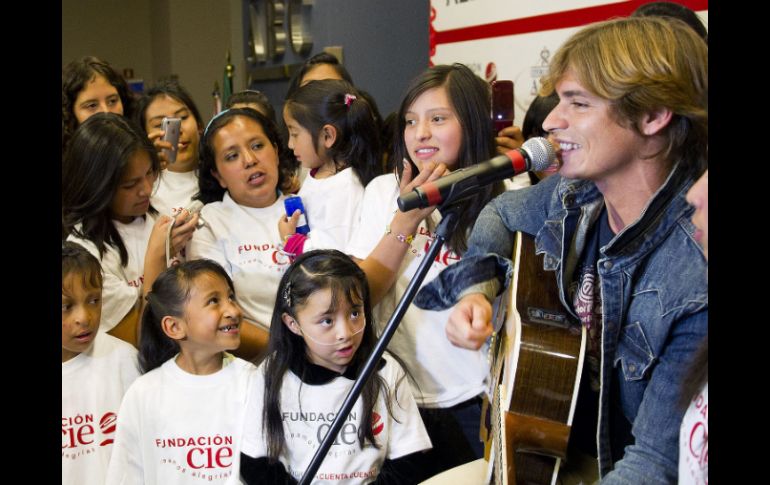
(86,243)
(392,369)
(544,189)
(191,176)
(110,344)
(114,342)
(215,208)
(146,386)
(259,372)
(155,377)
(346,178)
(531,205)
(383,183)
(244,365)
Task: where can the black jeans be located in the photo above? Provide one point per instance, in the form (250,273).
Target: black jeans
(454,433)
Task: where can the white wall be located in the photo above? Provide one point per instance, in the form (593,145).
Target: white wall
(113,30)
(385,43)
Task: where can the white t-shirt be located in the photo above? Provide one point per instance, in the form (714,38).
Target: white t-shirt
(122,285)
(445,375)
(244,240)
(180,428)
(92,385)
(332,207)
(693,441)
(308,411)
(173,191)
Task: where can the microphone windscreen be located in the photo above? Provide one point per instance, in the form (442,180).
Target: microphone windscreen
(541,153)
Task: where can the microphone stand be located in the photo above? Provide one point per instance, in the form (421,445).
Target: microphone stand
(445,228)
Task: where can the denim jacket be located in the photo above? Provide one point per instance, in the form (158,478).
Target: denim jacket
(654,302)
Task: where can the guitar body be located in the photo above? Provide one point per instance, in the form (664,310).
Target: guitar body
(538,356)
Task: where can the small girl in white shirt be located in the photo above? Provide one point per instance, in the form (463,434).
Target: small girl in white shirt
(181,422)
(96,370)
(333,133)
(321,334)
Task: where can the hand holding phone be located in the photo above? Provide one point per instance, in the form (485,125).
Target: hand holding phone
(502,104)
(293,203)
(194,207)
(171,127)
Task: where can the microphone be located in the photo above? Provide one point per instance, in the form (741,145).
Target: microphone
(536,154)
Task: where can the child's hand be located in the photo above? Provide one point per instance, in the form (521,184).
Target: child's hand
(407,222)
(508,139)
(156,245)
(287,226)
(470,323)
(182,231)
(156,137)
(430,172)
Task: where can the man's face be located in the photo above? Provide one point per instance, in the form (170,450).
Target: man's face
(593,145)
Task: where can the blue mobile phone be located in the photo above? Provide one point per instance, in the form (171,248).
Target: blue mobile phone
(293,203)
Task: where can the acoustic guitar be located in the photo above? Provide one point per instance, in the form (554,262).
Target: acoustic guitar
(537,358)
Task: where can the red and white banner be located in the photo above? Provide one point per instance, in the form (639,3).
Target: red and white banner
(514,39)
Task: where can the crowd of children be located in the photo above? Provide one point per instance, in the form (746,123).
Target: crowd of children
(250,332)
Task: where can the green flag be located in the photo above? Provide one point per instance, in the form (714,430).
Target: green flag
(227,84)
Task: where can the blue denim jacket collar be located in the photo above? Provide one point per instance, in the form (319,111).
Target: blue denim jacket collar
(582,202)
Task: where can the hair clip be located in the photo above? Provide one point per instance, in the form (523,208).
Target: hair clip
(349,99)
(208,125)
(287,295)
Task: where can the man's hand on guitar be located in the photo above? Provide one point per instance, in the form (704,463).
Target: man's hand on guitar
(470,323)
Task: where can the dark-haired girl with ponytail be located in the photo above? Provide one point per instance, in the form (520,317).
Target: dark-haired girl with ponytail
(334,134)
(181,421)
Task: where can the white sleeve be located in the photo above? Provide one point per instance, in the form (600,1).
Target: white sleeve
(204,244)
(118,298)
(407,431)
(376,213)
(253,442)
(126,466)
(336,231)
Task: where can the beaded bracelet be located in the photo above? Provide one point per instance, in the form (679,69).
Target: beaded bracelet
(401,237)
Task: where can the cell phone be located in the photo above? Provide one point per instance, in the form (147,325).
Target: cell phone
(293,203)
(171,127)
(194,207)
(502,104)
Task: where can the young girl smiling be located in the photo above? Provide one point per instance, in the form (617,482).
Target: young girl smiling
(182,420)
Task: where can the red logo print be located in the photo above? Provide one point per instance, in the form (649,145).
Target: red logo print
(377,424)
(107,425)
